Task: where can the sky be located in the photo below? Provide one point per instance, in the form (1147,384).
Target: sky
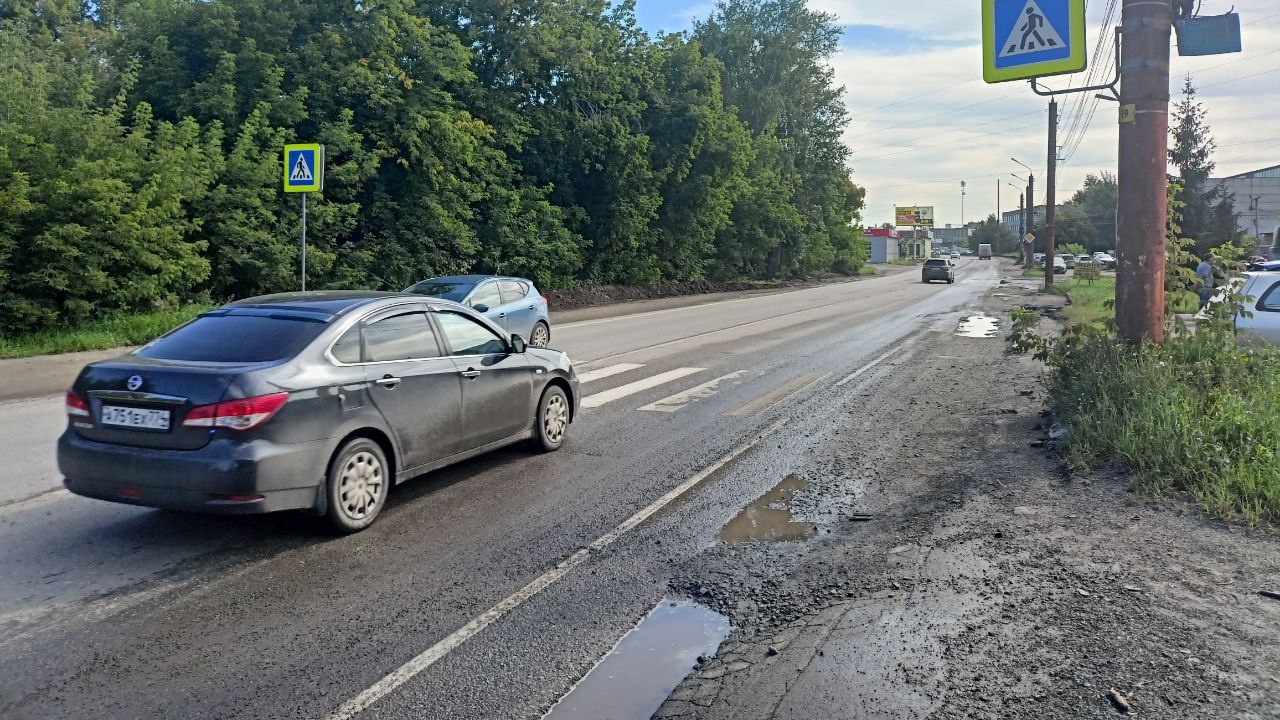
(922,119)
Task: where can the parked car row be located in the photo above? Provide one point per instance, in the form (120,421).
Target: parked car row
(319,401)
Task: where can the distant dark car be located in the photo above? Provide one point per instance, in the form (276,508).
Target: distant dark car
(511,302)
(937,269)
(317,401)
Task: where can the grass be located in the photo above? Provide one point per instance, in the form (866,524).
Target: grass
(905,261)
(1199,414)
(111,332)
(1089,300)
(867,269)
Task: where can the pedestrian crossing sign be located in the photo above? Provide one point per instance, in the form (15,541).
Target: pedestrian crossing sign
(1024,39)
(303,168)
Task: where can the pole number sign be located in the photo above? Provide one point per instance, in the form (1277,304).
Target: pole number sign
(1024,39)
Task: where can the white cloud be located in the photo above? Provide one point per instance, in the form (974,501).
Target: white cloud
(900,148)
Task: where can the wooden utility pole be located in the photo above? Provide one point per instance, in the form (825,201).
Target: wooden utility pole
(1050,188)
(1143,166)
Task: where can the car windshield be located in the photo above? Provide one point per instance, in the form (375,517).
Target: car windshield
(454,291)
(232,338)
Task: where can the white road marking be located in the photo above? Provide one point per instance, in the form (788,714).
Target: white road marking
(605,372)
(777,395)
(608,396)
(680,399)
(433,654)
(866,368)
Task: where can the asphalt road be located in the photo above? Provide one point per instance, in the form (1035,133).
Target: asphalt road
(473,596)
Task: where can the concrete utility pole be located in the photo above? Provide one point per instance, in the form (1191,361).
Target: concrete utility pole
(1050,188)
(1143,166)
(1030,247)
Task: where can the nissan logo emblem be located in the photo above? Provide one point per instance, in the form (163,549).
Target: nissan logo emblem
(135,382)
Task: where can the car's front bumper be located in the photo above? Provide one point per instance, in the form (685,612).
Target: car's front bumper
(221,477)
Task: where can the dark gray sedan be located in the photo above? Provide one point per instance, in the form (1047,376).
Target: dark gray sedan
(317,401)
(937,269)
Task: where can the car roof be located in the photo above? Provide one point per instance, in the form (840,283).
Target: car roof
(472,279)
(328,303)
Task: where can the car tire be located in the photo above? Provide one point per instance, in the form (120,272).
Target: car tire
(357,485)
(551,425)
(540,336)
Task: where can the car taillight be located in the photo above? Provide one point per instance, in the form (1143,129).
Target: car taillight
(236,414)
(544,299)
(76,405)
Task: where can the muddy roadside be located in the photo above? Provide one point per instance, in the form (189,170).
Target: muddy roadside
(942,564)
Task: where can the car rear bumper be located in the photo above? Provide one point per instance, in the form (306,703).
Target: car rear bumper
(222,477)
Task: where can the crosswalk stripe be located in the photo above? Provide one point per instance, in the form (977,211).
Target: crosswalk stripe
(680,399)
(605,372)
(777,395)
(608,396)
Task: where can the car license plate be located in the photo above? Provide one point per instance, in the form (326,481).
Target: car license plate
(135,417)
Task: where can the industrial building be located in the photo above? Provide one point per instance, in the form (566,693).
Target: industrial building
(1257,202)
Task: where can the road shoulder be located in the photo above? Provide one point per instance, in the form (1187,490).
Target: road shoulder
(970,576)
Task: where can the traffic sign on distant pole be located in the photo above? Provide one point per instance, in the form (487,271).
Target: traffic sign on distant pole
(304,173)
(1024,39)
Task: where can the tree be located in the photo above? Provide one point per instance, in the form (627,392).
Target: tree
(1094,206)
(1208,214)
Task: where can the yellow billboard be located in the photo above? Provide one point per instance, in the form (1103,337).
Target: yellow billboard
(915,216)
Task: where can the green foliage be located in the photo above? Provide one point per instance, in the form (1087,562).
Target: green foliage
(1088,220)
(1208,431)
(1208,212)
(112,331)
(140,148)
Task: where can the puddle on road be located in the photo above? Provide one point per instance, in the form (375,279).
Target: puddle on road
(769,517)
(979,326)
(646,665)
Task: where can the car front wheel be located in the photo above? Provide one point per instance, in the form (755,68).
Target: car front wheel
(357,485)
(553,419)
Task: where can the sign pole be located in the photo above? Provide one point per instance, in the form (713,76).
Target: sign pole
(304,242)
(1050,191)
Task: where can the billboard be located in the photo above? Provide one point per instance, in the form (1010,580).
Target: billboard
(916,216)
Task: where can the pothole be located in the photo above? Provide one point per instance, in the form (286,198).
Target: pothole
(979,326)
(646,665)
(769,517)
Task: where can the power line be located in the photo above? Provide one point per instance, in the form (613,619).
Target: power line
(949,132)
(1242,77)
(946,112)
(913,97)
(1264,17)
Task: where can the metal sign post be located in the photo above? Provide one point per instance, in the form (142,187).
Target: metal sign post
(304,173)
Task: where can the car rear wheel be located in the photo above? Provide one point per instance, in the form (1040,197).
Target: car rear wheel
(540,336)
(553,419)
(357,485)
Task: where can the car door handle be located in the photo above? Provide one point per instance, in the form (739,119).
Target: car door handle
(388,381)
(469,374)
(502,315)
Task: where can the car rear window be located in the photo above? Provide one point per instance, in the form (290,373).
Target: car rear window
(936,263)
(454,291)
(235,339)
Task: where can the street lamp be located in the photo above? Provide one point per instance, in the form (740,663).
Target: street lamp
(962,204)
(1019,177)
(1023,165)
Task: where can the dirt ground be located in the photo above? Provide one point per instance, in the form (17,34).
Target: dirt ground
(958,571)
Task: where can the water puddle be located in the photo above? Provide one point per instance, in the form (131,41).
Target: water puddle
(769,517)
(646,665)
(979,326)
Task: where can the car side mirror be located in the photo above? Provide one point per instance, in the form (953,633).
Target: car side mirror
(518,345)
(481,308)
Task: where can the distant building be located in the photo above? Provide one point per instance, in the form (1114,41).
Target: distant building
(1012,219)
(884,245)
(1257,202)
(950,237)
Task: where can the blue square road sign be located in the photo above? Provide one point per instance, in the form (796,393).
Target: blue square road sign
(303,168)
(1032,38)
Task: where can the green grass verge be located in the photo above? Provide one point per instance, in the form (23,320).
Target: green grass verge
(1089,300)
(1197,415)
(111,332)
